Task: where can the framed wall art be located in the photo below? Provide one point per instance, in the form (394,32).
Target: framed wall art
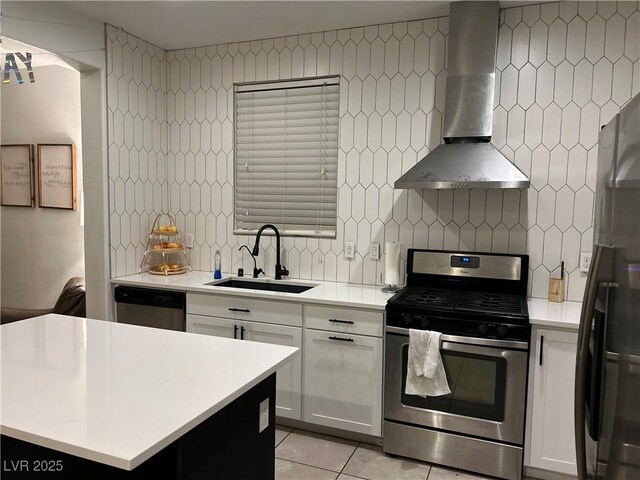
(17,185)
(57,176)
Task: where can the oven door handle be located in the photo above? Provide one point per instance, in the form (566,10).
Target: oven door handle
(484,342)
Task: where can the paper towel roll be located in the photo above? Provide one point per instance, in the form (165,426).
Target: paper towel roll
(392,263)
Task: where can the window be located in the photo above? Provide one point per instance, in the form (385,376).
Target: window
(286,156)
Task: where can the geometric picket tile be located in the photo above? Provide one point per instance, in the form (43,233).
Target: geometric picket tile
(562,70)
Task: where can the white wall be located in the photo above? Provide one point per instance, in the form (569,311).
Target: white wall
(41,247)
(51,26)
(563,69)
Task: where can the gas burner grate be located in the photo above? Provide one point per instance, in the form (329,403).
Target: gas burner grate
(490,303)
(466,301)
(431,297)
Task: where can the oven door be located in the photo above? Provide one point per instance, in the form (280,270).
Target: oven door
(487,379)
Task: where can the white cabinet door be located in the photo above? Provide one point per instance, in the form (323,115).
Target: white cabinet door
(553,362)
(217,327)
(343,381)
(289,377)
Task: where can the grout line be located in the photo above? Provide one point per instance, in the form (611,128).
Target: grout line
(357,445)
(307,465)
(283,438)
(354,476)
(350,457)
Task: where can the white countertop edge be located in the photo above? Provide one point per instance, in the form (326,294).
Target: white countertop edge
(131,280)
(66,448)
(557,324)
(131,463)
(564,315)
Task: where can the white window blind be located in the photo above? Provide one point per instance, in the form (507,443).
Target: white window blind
(286,156)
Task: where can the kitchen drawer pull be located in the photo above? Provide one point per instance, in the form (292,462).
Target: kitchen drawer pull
(241,333)
(244,310)
(541,349)
(235,331)
(341,339)
(335,320)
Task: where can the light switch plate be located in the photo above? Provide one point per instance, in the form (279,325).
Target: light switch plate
(585,261)
(374,251)
(263,423)
(349,249)
(188,240)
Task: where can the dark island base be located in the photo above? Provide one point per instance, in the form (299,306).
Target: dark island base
(225,446)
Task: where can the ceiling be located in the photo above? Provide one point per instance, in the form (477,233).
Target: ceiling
(41,58)
(181,24)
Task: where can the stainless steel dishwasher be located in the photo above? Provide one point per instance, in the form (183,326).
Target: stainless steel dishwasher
(150,308)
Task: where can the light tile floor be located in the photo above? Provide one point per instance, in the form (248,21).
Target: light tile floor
(302,455)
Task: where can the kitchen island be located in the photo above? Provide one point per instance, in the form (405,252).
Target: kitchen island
(87,398)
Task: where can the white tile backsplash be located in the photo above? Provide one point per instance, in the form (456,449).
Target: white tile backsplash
(136,89)
(563,70)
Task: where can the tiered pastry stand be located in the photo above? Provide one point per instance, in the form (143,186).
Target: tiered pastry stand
(165,253)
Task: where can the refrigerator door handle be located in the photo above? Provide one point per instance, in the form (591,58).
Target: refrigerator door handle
(597,358)
(600,271)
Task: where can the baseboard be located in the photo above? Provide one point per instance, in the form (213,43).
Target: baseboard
(335,432)
(543,474)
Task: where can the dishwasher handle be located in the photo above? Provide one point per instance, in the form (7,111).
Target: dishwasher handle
(150,297)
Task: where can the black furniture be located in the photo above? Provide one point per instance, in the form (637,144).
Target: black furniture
(70,302)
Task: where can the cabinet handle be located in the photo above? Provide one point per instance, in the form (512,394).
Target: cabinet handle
(235,331)
(541,349)
(241,333)
(341,339)
(245,310)
(335,320)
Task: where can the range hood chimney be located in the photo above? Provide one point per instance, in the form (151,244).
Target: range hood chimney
(467,159)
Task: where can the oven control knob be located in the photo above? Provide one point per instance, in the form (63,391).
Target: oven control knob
(502,330)
(424,322)
(484,328)
(406,319)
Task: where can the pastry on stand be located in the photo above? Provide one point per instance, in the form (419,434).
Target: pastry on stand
(165,253)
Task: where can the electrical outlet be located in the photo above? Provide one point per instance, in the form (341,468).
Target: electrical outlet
(374,251)
(263,421)
(585,261)
(349,249)
(188,240)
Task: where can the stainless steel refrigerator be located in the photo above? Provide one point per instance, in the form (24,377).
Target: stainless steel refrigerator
(607,390)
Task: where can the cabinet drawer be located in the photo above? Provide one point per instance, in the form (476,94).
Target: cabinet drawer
(244,308)
(344,320)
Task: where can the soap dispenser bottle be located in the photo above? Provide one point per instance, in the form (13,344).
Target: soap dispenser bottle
(217,265)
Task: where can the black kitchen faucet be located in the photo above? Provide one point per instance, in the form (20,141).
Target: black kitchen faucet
(280,270)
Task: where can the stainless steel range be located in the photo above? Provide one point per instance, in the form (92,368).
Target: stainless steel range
(478,302)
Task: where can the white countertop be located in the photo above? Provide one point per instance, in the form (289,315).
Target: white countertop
(118,394)
(541,311)
(331,293)
(550,314)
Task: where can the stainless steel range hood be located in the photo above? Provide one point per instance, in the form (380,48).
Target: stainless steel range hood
(467,159)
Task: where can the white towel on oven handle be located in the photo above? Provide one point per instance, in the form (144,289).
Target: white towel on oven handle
(425,371)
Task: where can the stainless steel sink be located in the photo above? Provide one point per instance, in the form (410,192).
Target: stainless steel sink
(271,286)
